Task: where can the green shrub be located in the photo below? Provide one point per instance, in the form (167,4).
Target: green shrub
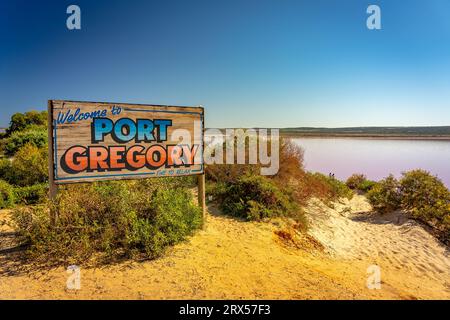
(355,180)
(228,173)
(291,178)
(426,198)
(333,188)
(109,220)
(420,194)
(34,194)
(22,121)
(6,195)
(29,166)
(5,169)
(231,172)
(171,217)
(291,158)
(359,182)
(339,189)
(385,195)
(215,189)
(255,198)
(366,185)
(36,136)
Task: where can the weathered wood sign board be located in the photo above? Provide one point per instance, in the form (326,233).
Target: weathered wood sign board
(93,141)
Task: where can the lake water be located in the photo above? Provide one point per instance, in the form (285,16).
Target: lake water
(376,158)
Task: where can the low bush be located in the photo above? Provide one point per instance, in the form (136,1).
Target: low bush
(355,180)
(33,194)
(426,198)
(385,195)
(7,197)
(359,182)
(339,189)
(23,121)
(332,189)
(366,185)
(109,220)
(228,173)
(242,192)
(290,162)
(255,198)
(5,169)
(29,166)
(418,193)
(292,175)
(231,172)
(215,190)
(36,136)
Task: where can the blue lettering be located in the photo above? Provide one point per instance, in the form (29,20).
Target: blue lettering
(129,125)
(100,127)
(145,130)
(162,128)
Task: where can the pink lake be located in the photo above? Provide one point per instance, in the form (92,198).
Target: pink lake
(376,158)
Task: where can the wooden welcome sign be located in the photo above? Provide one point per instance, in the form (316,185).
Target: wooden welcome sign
(93,141)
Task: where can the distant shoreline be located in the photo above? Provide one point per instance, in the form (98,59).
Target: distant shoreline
(362,136)
(439,133)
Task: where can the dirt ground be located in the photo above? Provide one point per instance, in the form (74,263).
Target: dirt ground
(232,259)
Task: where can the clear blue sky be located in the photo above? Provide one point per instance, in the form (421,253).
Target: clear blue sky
(248,62)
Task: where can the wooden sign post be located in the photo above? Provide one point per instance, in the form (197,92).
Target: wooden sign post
(53,188)
(201,197)
(97,141)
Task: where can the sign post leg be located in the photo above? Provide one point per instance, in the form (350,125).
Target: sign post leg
(53,188)
(201,197)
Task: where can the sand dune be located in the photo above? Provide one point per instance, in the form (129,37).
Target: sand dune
(410,258)
(232,259)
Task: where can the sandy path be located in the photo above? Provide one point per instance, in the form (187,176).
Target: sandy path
(410,258)
(233,260)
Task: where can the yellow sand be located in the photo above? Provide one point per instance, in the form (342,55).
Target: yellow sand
(247,260)
(411,259)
